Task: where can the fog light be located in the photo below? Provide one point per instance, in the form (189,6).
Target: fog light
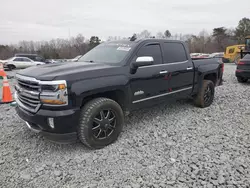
(51,122)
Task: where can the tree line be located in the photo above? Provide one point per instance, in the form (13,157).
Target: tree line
(204,42)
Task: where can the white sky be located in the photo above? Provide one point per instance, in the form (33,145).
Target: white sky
(47,19)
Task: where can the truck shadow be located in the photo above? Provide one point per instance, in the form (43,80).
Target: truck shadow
(132,122)
(161,110)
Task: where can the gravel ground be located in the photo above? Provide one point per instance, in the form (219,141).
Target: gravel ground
(176,145)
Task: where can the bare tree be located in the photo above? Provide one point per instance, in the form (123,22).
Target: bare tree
(160,35)
(69,48)
(79,43)
(144,34)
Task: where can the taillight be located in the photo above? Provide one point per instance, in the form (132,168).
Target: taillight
(241,63)
(222,67)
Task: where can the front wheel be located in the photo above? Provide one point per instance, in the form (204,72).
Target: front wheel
(101,122)
(242,80)
(205,96)
(11,67)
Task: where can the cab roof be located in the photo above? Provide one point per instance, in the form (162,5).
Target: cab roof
(128,41)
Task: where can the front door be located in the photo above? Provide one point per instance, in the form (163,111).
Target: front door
(18,62)
(149,83)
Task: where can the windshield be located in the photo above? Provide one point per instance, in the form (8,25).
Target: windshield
(107,53)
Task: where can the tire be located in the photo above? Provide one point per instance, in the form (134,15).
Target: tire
(242,80)
(204,99)
(92,123)
(11,67)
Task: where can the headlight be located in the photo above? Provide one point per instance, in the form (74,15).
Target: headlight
(53,87)
(54,93)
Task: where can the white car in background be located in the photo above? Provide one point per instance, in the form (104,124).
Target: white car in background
(19,63)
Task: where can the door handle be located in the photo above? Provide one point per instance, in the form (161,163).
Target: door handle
(163,72)
(189,68)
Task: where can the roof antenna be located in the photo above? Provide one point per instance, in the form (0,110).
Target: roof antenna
(133,38)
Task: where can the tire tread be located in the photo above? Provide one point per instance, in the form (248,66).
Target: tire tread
(199,100)
(85,115)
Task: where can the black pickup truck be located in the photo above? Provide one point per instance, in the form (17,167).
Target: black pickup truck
(88,99)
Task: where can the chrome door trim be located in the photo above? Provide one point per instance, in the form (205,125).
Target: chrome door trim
(161,95)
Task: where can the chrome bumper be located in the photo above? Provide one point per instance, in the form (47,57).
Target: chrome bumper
(25,107)
(32,128)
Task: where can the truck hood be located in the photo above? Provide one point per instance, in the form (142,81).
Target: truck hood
(64,70)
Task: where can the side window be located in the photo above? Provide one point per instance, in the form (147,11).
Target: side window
(153,50)
(27,60)
(38,58)
(18,59)
(247,42)
(174,52)
(231,51)
(32,57)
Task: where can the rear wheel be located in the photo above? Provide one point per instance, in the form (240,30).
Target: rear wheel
(242,80)
(205,96)
(101,122)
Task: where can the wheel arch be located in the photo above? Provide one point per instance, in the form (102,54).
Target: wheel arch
(11,65)
(118,95)
(212,77)
(206,75)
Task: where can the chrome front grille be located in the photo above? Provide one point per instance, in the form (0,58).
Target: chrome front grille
(28,85)
(27,93)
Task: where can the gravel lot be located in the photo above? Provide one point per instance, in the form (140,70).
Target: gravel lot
(175,145)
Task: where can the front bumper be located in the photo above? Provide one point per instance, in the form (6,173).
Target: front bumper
(65,123)
(242,73)
(5,66)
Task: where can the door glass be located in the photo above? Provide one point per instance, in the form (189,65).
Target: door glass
(27,60)
(247,44)
(151,50)
(38,59)
(18,59)
(174,52)
(231,51)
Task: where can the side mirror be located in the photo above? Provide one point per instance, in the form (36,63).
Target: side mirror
(140,62)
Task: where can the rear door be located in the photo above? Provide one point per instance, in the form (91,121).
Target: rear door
(27,62)
(180,68)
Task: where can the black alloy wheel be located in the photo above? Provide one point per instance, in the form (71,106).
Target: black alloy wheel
(208,94)
(101,122)
(104,124)
(205,96)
